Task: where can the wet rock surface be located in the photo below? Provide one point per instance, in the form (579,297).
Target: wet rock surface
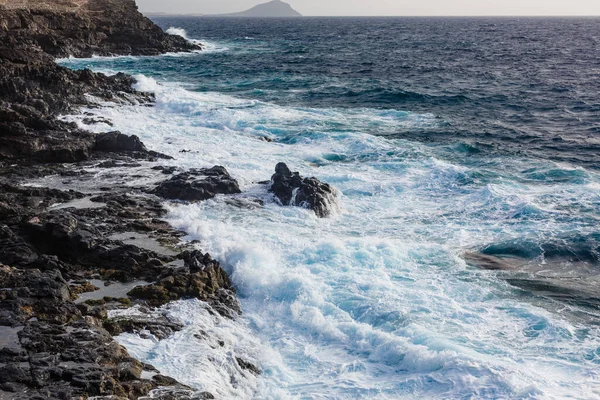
(61,352)
(201,278)
(49,256)
(116,142)
(34,89)
(291,189)
(198,185)
(59,246)
(557,274)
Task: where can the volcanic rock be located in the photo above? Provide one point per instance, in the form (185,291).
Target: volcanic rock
(291,189)
(34,89)
(201,278)
(82,28)
(57,353)
(54,244)
(116,141)
(198,185)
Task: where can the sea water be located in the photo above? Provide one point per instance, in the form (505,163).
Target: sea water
(444,138)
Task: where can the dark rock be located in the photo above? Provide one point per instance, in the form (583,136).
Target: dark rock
(14,250)
(118,164)
(17,203)
(34,89)
(165,170)
(116,142)
(201,278)
(293,190)
(98,27)
(97,120)
(43,294)
(248,366)
(198,185)
(62,350)
(157,323)
(59,353)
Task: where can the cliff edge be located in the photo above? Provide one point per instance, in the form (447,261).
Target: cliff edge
(34,89)
(82,28)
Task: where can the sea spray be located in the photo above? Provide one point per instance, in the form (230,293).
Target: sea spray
(375,302)
(209,353)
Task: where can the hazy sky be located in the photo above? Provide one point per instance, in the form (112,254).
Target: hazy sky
(386,7)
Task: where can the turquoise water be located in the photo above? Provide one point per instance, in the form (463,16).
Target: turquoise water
(378,300)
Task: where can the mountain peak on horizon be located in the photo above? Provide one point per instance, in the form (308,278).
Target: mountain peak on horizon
(274,8)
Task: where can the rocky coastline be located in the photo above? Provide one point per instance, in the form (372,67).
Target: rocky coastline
(75,250)
(69,257)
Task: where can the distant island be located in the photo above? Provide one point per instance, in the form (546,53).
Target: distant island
(275,8)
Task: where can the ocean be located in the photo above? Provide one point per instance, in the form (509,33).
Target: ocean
(452,142)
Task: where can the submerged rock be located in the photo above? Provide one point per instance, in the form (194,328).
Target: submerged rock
(198,185)
(291,189)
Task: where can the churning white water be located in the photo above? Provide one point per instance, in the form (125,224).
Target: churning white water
(374,302)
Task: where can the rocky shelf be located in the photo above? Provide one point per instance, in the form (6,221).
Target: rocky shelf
(67,257)
(71,258)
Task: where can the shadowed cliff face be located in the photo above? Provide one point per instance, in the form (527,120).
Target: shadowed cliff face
(82,28)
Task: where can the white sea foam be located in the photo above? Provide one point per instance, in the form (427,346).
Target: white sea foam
(209,342)
(207,46)
(374,302)
(178,32)
(145,84)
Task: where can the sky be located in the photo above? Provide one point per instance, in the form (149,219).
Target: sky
(385,7)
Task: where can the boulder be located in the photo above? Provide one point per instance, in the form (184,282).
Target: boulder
(291,189)
(118,142)
(198,185)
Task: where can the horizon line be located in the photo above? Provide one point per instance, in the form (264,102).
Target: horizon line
(378,16)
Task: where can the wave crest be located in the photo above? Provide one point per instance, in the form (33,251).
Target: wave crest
(183,33)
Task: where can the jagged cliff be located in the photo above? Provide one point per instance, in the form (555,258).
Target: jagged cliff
(82,28)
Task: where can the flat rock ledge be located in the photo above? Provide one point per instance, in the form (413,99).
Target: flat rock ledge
(55,334)
(198,185)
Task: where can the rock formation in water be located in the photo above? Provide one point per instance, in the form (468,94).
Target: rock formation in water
(272,9)
(293,190)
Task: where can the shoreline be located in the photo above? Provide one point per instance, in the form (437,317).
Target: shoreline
(103,275)
(71,258)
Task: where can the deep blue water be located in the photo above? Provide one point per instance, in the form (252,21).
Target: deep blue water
(449,140)
(527,86)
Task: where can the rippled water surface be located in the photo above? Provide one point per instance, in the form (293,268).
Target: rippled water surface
(456,144)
